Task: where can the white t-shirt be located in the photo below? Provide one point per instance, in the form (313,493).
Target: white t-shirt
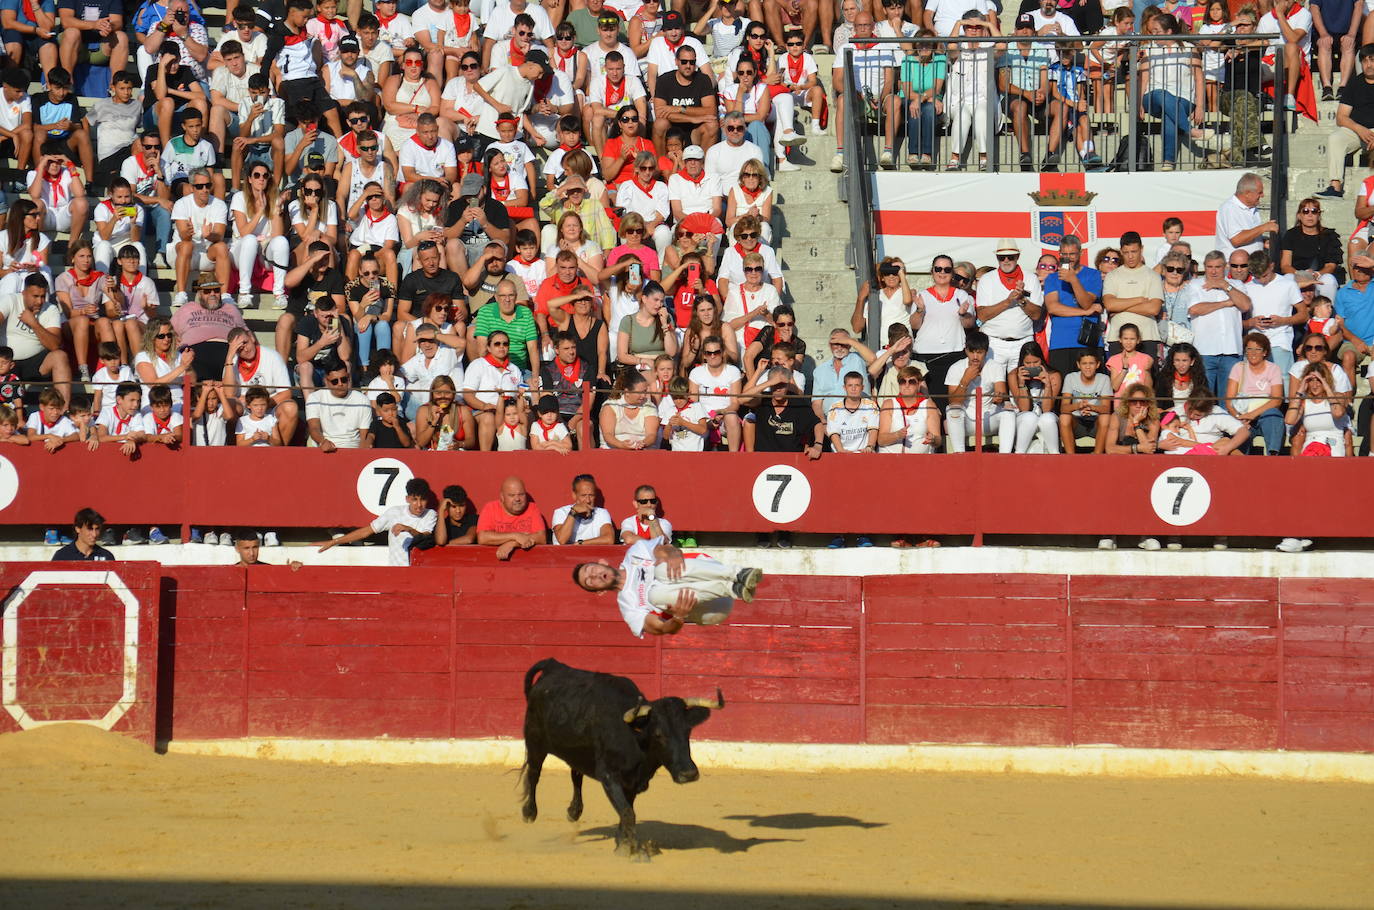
(1340,383)
(254,49)
(123,225)
(1209,429)
(665,57)
(632,92)
(1064,22)
(19,336)
(1301,20)
(852,426)
(1233,217)
(633,598)
(257,228)
(942,328)
(270,373)
(681,439)
(396,33)
(375,233)
(161,368)
(949,12)
(732,264)
(693,195)
(104,382)
(341,88)
(421,373)
(714,389)
(342,420)
(233,88)
(116,425)
(63,427)
(556,433)
(146,422)
(398,545)
(1013,321)
(215,212)
(1277,298)
(987,379)
(740,300)
(1217,332)
(724,162)
(487,381)
(583,528)
(596,66)
(632,525)
(378,385)
(428,162)
(247,426)
(502,20)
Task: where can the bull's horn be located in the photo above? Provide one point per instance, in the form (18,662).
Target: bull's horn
(718,702)
(637,711)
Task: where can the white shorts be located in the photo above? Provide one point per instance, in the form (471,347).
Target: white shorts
(200,258)
(57,218)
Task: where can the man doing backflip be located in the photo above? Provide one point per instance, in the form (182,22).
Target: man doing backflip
(659,589)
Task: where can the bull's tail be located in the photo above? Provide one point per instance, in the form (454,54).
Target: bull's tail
(534,671)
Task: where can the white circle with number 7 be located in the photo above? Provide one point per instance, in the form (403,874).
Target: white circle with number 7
(382,484)
(1180,496)
(782,494)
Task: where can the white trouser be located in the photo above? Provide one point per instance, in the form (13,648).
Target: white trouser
(1007,351)
(960,424)
(784,115)
(967,114)
(1028,424)
(57,218)
(713,582)
(105,253)
(248,250)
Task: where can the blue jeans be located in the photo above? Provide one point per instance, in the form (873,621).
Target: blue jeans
(1218,369)
(373,338)
(1270,426)
(1174,111)
(757,133)
(1283,357)
(159,233)
(920,130)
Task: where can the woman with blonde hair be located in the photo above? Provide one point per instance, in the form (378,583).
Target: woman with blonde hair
(751,195)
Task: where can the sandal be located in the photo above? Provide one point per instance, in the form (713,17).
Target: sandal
(929,542)
(901,543)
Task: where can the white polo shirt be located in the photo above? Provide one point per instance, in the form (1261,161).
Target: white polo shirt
(694,196)
(1233,217)
(1011,323)
(583,528)
(1218,332)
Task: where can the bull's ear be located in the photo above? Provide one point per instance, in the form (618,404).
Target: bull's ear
(697,716)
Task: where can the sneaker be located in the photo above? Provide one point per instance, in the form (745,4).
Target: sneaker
(954,165)
(211,538)
(156,537)
(1221,543)
(134,537)
(50,537)
(816,128)
(84,372)
(763,541)
(927,163)
(269,539)
(107,538)
(1331,193)
(1107,543)
(227,540)
(246,301)
(1290,545)
(196,536)
(279,302)
(750,585)
(864,541)
(1328,94)
(784,540)
(837,163)
(836,543)
(1093,161)
(1166,165)
(785,165)
(1050,163)
(181,299)
(1173,543)
(1148,543)
(689,541)
(913,161)
(885,159)
(1024,163)
(790,138)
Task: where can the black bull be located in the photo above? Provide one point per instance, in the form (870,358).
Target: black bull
(603,728)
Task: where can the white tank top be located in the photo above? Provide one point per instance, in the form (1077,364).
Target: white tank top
(915,424)
(358,179)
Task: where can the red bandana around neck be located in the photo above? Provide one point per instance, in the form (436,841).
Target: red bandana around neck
(517,56)
(572,372)
(382,217)
(129,286)
(386,20)
(328,27)
(499,364)
(428,148)
(614,93)
(462,24)
(295,38)
(1009,281)
(697,179)
(908,408)
(795,71)
(500,190)
(89,280)
(946,297)
(249,368)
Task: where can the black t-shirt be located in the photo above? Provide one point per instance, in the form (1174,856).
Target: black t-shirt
(309,328)
(70,553)
(496,213)
(1359,94)
(180,80)
(791,431)
(1245,72)
(569,393)
(45,110)
(416,286)
(385,437)
(357,290)
(305,295)
(464,525)
(671,89)
(1313,251)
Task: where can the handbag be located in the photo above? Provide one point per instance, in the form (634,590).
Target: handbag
(1178,334)
(1090,333)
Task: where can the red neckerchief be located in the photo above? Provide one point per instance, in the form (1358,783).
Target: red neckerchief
(866,47)
(462,24)
(559,62)
(901,403)
(296,38)
(686,176)
(573,372)
(30,12)
(517,56)
(539,424)
(1182,378)
(121,426)
(542,85)
(147,169)
(129,286)
(55,188)
(1009,281)
(499,364)
(349,143)
(1292,9)
(561,289)
(159,425)
(329,26)
(109,204)
(252,365)
(673,47)
(371,220)
(386,20)
(568,148)
(429,148)
(520,259)
(87,281)
(935,292)
(44,423)
(751,196)
(500,191)
(613,96)
(470,167)
(646,189)
(796,73)
(642,530)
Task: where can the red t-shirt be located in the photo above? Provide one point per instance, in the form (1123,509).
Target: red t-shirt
(613,148)
(551,287)
(494,517)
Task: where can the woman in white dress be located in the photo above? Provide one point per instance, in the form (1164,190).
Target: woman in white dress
(259,235)
(26,247)
(406,96)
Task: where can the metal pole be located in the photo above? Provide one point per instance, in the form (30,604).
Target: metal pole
(990,81)
(1278,165)
(1132,105)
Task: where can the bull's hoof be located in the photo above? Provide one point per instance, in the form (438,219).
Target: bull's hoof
(638,851)
(574,812)
(529,813)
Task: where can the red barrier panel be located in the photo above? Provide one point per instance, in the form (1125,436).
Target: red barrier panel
(973,494)
(80,643)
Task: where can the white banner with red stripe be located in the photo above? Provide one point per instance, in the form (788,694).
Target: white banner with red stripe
(918,216)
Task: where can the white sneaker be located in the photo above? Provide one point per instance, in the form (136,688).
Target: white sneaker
(1107,543)
(245,301)
(211,539)
(1173,544)
(790,138)
(279,302)
(1290,545)
(837,163)
(785,165)
(816,128)
(1148,543)
(269,539)
(181,299)
(225,538)
(885,159)
(1220,544)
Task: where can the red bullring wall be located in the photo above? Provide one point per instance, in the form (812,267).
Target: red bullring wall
(440,651)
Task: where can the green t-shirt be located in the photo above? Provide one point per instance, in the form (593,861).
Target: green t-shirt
(923,76)
(521,329)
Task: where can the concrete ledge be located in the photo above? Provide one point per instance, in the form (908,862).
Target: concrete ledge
(1100,761)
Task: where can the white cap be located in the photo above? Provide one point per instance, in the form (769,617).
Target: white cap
(693,151)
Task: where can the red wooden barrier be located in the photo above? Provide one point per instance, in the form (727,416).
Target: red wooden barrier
(973,494)
(80,643)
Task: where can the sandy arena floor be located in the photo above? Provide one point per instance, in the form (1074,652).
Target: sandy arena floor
(94,820)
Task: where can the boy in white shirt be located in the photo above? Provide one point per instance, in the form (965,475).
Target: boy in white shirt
(682,418)
(261,133)
(160,423)
(402,524)
(549,433)
(111,374)
(120,421)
